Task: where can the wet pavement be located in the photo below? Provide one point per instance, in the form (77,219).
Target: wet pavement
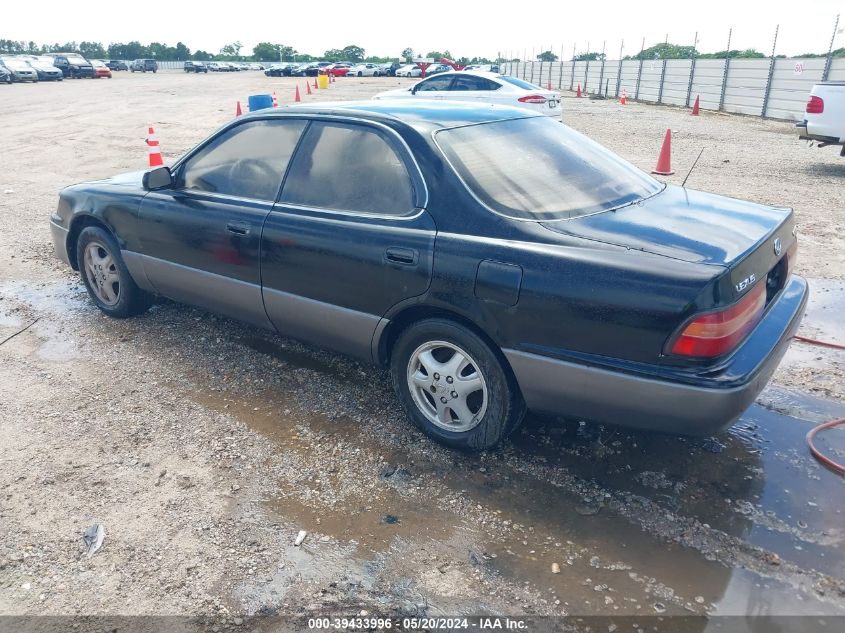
(567,517)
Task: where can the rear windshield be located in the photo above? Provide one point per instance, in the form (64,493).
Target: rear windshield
(539,169)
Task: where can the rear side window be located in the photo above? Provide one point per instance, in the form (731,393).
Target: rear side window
(538,169)
(349,168)
(519,83)
(468,82)
(247,161)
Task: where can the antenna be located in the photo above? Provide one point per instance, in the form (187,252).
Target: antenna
(693,166)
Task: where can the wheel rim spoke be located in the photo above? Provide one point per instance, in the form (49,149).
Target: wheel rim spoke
(448,399)
(102,274)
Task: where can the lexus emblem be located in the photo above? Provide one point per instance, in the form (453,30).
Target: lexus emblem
(778,247)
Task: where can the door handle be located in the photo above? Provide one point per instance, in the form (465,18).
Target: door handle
(404,256)
(237,228)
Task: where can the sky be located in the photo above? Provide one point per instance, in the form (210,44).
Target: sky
(468,29)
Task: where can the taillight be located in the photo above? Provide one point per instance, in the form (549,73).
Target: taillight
(717,333)
(815,105)
(533,99)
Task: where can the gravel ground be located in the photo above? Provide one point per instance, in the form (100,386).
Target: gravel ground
(203,446)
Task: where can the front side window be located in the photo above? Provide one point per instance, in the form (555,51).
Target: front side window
(247,161)
(435,83)
(535,168)
(349,168)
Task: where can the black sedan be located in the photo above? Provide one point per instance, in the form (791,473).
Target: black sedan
(494,259)
(279,70)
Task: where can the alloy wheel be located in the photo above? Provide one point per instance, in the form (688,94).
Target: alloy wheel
(102,274)
(447,386)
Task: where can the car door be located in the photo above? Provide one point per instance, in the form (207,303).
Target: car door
(200,240)
(349,238)
(436,87)
(473,88)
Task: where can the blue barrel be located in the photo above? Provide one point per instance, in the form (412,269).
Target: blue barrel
(259,102)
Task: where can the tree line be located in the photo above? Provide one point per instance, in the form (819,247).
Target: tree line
(263,51)
(666,50)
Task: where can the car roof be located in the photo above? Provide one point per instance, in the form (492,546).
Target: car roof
(429,115)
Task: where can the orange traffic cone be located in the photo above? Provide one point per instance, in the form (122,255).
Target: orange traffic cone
(315,83)
(664,161)
(154,149)
(307,88)
(623,100)
(695,107)
(275,101)
(297,98)
(578,92)
(238,111)
(549,86)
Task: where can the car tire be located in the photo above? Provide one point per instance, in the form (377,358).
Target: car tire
(490,413)
(116,293)
(360,74)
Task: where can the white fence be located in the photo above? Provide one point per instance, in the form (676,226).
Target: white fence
(775,88)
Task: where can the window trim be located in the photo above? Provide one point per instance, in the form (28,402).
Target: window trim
(420,187)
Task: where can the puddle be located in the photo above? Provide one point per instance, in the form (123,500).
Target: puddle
(753,483)
(762,486)
(822,321)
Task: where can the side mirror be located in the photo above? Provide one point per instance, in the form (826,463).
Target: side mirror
(158,178)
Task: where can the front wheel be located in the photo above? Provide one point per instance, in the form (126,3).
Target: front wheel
(106,277)
(454,386)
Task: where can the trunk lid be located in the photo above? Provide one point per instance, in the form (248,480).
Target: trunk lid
(684,224)
(752,241)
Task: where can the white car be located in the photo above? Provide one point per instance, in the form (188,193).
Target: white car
(481,87)
(411,70)
(363,70)
(824,121)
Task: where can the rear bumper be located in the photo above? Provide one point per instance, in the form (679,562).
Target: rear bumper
(708,406)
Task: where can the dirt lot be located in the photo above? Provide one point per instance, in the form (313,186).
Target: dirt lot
(203,445)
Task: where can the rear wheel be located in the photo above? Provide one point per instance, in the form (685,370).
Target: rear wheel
(454,387)
(106,277)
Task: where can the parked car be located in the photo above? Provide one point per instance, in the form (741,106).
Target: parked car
(144,65)
(363,70)
(563,278)
(72,65)
(824,121)
(409,70)
(100,69)
(338,70)
(436,69)
(195,67)
(117,64)
(5,74)
(282,69)
(256,66)
(482,87)
(298,70)
(388,70)
(19,69)
(218,67)
(45,70)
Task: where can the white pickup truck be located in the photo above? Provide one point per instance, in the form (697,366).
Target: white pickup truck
(824,121)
